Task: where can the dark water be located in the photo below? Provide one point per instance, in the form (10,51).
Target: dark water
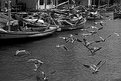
(65,64)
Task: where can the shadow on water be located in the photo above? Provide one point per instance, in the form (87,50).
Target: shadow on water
(9,42)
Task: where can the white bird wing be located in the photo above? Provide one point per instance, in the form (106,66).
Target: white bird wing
(17,51)
(20,51)
(30,60)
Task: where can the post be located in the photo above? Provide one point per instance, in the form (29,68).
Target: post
(68,4)
(45,2)
(98,3)
(89,3)
(56,2)
(93,2)
(37,5)
(108,3)
(9,14)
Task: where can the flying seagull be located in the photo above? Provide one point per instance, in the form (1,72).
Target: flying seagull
(63,47)
(84,29)
(87,43)
(86,34)
(71,38)
(116,34)
(21,53)
(44,78)
(37,63)
(66,39)
(93,27)
(103,40)
(100,28)
(94,49)
(94,67)
(101,23)
(93,32)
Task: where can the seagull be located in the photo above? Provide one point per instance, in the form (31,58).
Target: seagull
(83,29)
(21,53)
(87,43)
(102,39)
(45,77)
(86,34)
(93,32)
(116,34)
(78,40)
(65,38)
(93,27)
(63,47)
(101,23)
(100,28)
(71,38)
(94,49)
(99,65)
(94,67)
(37,63)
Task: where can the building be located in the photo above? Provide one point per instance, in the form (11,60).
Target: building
(47,4)
(32,4)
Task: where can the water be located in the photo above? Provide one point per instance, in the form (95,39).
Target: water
(14,68)
(67,65)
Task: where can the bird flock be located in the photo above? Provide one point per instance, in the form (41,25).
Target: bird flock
(72,39)
(92,49)
(36,62)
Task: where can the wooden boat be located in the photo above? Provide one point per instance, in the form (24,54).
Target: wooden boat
(15,30)
(12,30)
(25,34)
(66,25)
(67,21)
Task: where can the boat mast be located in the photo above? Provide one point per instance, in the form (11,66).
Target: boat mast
(108,3)
(98,3)
(9,14)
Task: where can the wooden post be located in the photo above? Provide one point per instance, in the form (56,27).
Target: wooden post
(89,3)
(108,3)
(9,14)
(45,2)
(37,5)
(56,3)
(98,3)
(53,2)
(68,3)
(94,2)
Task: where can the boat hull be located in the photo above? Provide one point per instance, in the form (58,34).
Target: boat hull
(68,27)
(20,34)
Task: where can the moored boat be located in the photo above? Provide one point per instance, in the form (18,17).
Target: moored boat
(12,28)
(25,34)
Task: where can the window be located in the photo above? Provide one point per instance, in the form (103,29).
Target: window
(41,2)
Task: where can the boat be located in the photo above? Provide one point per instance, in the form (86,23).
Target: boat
(13,30)
(73,24)
(65,20)
(24,34)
